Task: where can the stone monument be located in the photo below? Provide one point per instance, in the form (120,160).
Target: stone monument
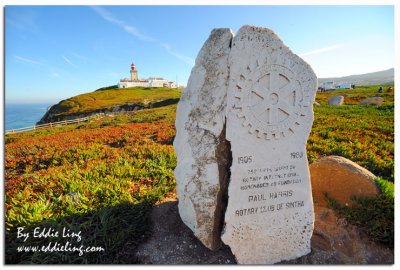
(242,127)
(200,145)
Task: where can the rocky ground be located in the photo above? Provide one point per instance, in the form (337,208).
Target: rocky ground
(334,242)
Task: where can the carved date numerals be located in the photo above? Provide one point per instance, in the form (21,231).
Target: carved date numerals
(245,160)
(296,155)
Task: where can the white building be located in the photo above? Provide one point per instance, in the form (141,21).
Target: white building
(344,86)
(150,82)
(328,85)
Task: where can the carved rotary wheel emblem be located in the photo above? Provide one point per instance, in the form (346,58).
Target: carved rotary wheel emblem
(271,101)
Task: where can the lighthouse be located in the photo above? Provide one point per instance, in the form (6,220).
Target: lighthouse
(134,76)
(150,82)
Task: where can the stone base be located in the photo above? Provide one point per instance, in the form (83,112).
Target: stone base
(334,242)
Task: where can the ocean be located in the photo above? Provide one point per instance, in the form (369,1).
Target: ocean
(24,115)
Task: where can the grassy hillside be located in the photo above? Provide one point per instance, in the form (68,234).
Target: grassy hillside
(363,134)
(99,178)
(354,96)
(102,177)
(108,98)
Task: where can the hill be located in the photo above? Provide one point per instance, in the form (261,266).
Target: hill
(110,100)
(103,177)
(374,78)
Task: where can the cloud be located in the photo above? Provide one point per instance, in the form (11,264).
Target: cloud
(27,60)
(322,50)
(128,28)
(80,57)
(68,61)
(136,33)
(23,19)
(186,59)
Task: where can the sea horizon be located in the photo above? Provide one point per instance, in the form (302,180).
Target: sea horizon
(24,114)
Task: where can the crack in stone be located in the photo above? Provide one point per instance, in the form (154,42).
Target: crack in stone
(224,160)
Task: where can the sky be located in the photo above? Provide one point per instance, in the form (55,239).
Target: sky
(56,52)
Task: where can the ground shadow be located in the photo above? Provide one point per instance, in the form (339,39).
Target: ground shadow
(127,233)
(172,242)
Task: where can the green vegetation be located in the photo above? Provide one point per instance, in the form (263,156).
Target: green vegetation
(166,113)
(111,87)
(363,134)
(107,98)
(354,96)
(98,178)
(116,229)
(102,177)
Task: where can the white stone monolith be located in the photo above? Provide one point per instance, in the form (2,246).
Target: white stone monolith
(242,127)
(271,91)
(201,148)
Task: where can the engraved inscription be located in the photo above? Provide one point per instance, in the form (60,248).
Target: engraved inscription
(296,155)
(245,159)
(257,198)
(269,215)
(281,194)
(269,208)
(270,189)
(282,175)
(248,211)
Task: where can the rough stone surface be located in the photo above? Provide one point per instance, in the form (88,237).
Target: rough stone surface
(203,153)
(341,179)
(336,100)
(271,91)
(372,101)
(266,93)
(334,241)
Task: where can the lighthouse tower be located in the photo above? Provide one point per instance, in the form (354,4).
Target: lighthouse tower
(134,76)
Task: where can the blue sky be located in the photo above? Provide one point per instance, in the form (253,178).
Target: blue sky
(55,52)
